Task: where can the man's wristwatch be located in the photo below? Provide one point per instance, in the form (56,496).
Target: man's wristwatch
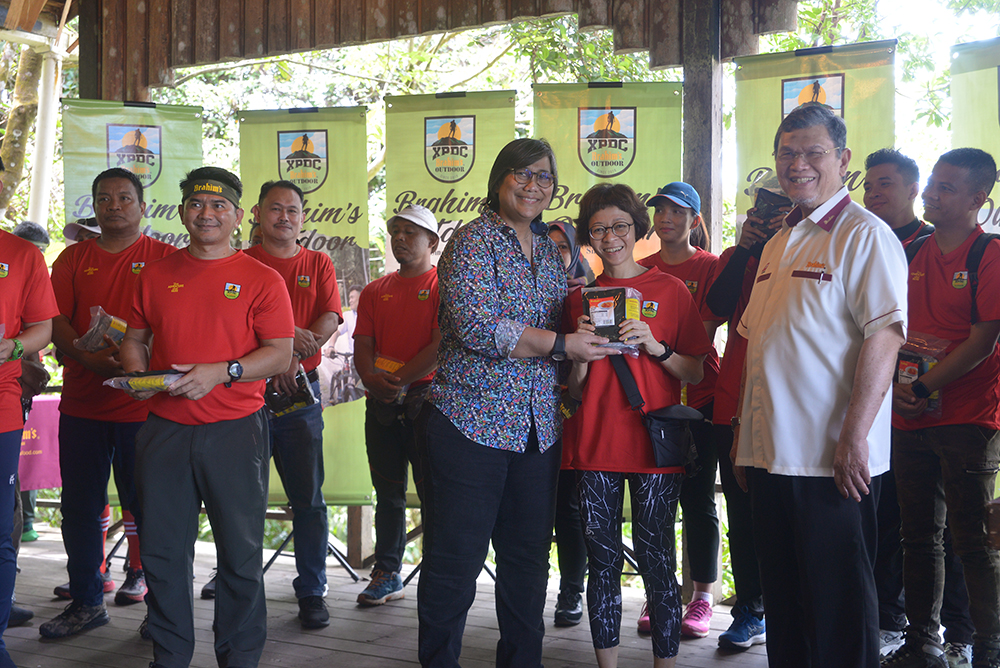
(667,352)
(235,370)
(559,349)
(734,421)
(920,390)
(18,351)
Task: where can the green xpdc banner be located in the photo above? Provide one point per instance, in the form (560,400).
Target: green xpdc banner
(439,152)
(324,152)
(854,81)
(621,133)
(158,143)
(975,109)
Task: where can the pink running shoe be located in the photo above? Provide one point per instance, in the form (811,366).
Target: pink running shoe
(697,615)
(643,622)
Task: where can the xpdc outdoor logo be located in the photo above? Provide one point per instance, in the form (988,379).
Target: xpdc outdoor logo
(449,147)
(607,140)
(303,158)
(137,149)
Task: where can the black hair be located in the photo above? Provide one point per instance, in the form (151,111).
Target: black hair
(518,154)
(355,288)
(118,173)
(606,195)
(810,115)
(980,165)
(270,185)
(213,174)
(30,231)
(906,166)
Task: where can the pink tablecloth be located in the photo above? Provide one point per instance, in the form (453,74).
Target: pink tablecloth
(38,467)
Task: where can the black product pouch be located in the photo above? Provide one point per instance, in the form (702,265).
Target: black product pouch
(670,432)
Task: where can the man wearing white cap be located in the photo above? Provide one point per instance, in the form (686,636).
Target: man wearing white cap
(395,351)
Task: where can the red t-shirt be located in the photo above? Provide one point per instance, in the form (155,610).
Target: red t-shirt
(312,285)
(940,303)
(697,273)
(605,434)
(25,296)
(207,311)
(400,314)
(727,386)
(86,275)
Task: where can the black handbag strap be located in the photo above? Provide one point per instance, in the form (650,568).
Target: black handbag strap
(627,380)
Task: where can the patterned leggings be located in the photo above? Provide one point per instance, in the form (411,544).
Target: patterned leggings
(654,504)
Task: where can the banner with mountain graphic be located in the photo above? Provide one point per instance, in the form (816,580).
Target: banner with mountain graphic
(621,133)
(439,152)
(855,81)
(158,143)
(975,109)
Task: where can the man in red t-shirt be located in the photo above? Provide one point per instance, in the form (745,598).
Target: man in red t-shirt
(97,425)
(891,187)
(297,437)
(946,422)
(225,322)
(395,349)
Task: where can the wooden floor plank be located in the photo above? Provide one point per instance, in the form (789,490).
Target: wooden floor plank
(383,637)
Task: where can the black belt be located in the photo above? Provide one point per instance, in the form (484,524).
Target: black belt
(312,376)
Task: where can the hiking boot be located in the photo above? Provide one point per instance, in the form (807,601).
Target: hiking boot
(313,613)
(62,591)
(642,624)
(75,618)
(134,589)
(208,591)
(569,608)
(19,616)
(144,629)
(383,588)
(958,654)
(916,654)
(745,631)
(697,615)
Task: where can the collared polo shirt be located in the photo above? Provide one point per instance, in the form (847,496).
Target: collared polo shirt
(826,282)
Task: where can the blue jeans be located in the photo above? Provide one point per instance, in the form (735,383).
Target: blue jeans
(472,494)
(10,450)
(87,451)
(297,446)
(948,472)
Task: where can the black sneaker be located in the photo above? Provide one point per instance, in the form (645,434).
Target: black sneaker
(208,591)
(144,629)
(75,618)
(569,609)
(313,613)
(916,654)
(19,616)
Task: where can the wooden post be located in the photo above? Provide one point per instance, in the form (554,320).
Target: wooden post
(701,40)
(359,534)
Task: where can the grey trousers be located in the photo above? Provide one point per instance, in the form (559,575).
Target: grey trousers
(224,464)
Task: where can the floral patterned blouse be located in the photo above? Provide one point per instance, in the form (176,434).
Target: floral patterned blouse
(489,294)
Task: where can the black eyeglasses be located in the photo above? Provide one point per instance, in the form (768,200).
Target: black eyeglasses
(543,179)
(619,230)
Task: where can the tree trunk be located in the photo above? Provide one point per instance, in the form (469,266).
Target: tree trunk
(19,124)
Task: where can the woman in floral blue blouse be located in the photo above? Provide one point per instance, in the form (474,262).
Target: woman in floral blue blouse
(492,419)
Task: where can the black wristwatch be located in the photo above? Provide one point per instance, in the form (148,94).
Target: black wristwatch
(920,390)
(667,352)
(235,370)
(559,349)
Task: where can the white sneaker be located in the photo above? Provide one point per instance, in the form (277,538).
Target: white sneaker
(958,654)
(889,641)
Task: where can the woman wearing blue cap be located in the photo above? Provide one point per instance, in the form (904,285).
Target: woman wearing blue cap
(677,214)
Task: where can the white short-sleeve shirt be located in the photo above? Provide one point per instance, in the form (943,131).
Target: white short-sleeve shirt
(824,284)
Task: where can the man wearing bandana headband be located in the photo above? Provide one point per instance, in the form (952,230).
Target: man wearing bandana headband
(224,321)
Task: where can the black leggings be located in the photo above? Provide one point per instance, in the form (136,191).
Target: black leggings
(654,504)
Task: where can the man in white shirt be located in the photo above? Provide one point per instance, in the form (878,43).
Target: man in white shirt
(824,324)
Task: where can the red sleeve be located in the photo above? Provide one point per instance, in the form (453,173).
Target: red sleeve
(691,336)
(365,324)
(40,302)
(137,318)
(711,270)
(273,312)
(327,292)
(62,283)
(436,296)
(989,283)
